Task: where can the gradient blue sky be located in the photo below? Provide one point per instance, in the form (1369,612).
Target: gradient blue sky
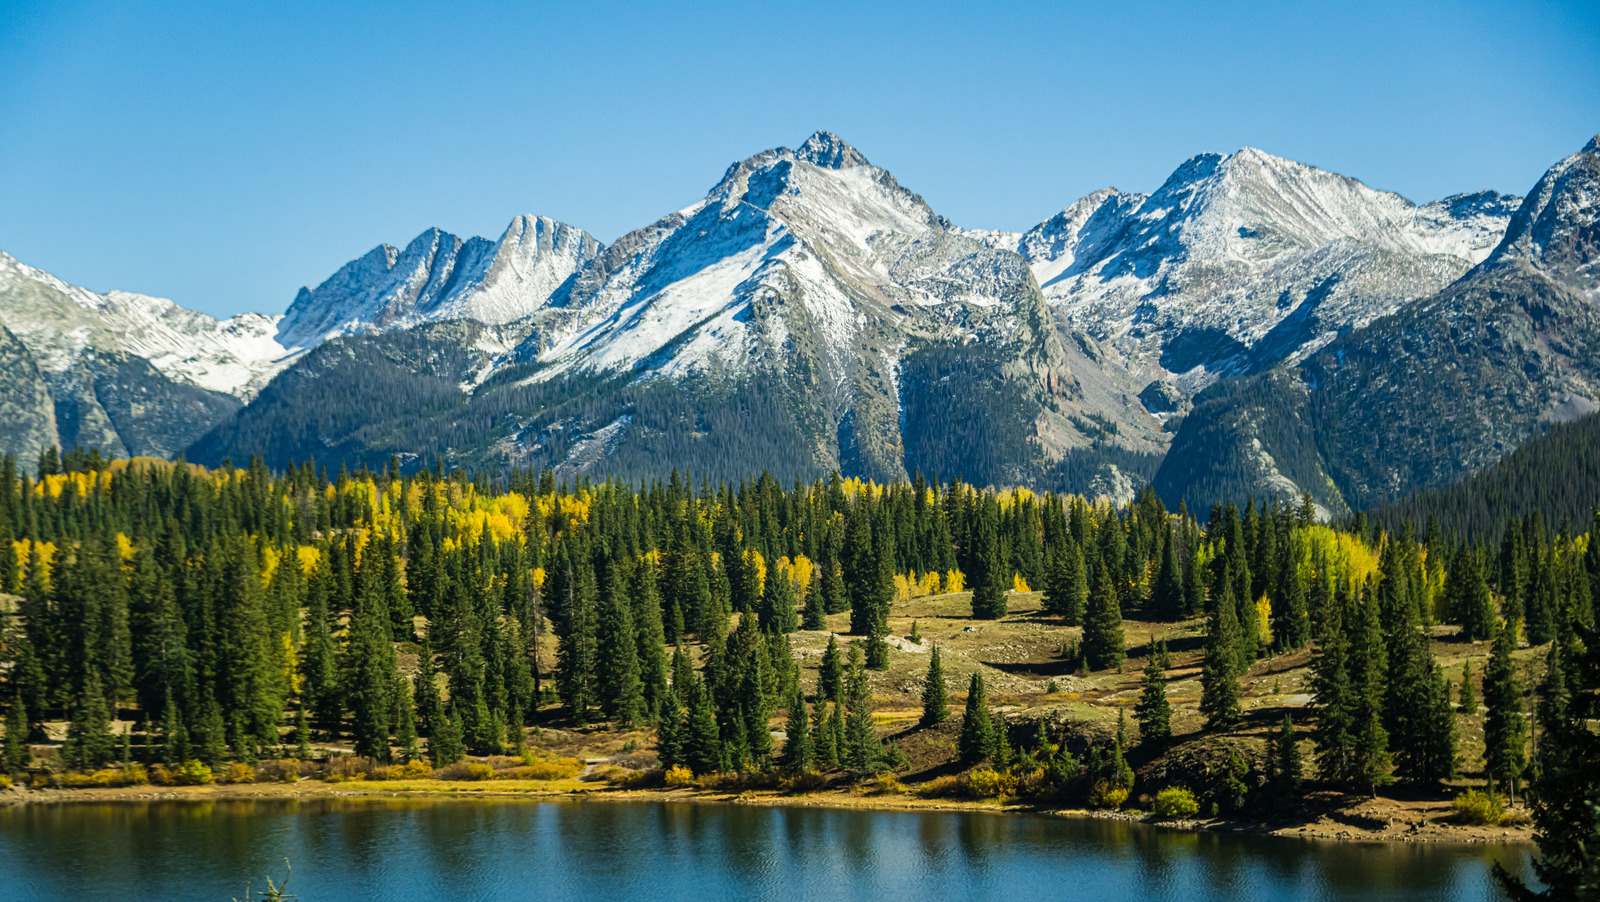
(224,154)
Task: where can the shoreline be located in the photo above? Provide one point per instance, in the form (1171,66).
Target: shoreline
(1335,826)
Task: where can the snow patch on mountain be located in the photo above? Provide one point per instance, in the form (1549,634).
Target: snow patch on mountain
(440,276)
(1242,260)
(59,322)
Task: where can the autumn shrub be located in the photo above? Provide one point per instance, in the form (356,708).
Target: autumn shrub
(637,760)
(556,768)
(603,774)
(5,781)
(286,770)
(416,769)
(1176,803)
(730,781)
(678,777)
(77,780)
(40,781)
(134,774)
(808,781)
(988,783)
(349,767)
(189,773)
(1478,808)
(884,785)
(942,787)
(1107,794)
(637,779)
(237,772)
(466,771)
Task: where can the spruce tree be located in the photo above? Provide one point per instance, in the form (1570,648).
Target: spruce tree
(777,603)
(830,677)
(823,745)
(1291,623)
(1370,758)
(1286,759)
(650,635)
(1154,711)
(1219,675)
(1505,730)
(15,755)
(990,578)
(444,743)
(89,743)
(1333,702)
(702,740)
(1467,596)
(1469,698)
(1104,646)
(798,752)
(978,740)
(815,614)
(862,750)
(1166,596)
(405,718)
(620,693)
(935,707)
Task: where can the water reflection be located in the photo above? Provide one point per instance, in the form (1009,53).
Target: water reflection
(409,849)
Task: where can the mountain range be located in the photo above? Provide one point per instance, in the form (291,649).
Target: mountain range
(1253,325)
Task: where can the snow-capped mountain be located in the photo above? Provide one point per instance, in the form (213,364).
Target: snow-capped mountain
(1241,260)
(1445,385)
(59,322)
(441,277)
(125,372)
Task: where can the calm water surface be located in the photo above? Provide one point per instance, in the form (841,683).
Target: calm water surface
(405,850)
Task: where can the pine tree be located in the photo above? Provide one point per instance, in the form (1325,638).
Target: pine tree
(824,747)
(1370,759)
(1154,711)
(1469,698)
(89,743)
(370,679)
(1467,596)
(702,741)
(815,612)
(798,752)
(1286,759)
(16,755)
(405,718)
(1066,590)
(620,693)
(935,708)
(830,677)
(444,744)
(1104,646)
(1504,727)
(1219,675)
(1333,702)
(1291,624)
(862,751)
(777,603)
(978,740)
(990,578)
(1167,594)
(650,635)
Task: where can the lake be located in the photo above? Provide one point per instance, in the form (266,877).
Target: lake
(400,850)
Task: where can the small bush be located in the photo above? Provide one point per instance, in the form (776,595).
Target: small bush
(286,770)
(189,773)
(884,785)
(678,777)
(1479,808)
(468,771)
(134,775)
(237,772)
(726,782)
(637,760)
(1176,803)
(5,781)
(635,779)
(40,781)
(603,774)
(413,770)
(555,769)
(1108,795)
(942,787)
(809,781)
(988,783)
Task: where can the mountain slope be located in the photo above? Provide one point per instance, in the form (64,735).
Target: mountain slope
(811,286)
(1447,385)
(441,277)
(1241,261)
(168,374)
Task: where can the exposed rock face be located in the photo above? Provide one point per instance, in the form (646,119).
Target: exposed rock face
(1420,398)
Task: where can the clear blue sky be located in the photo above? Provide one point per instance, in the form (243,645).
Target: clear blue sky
(223,154)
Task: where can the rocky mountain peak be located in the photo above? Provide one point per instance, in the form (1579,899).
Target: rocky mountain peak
(828,150)
(1557,228)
